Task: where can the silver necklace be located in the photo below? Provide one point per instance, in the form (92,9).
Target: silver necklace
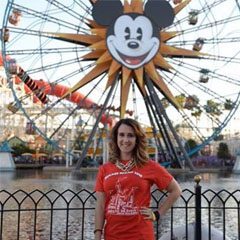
(125,167)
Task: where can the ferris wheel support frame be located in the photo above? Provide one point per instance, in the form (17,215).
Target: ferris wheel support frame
(162,114)
(158,142)
(94,129)
(163,131)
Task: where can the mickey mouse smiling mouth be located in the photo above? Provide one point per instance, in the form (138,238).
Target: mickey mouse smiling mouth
(131,41)
(134,61)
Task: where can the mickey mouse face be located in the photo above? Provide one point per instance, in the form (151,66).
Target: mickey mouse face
(132,42)
(133,39)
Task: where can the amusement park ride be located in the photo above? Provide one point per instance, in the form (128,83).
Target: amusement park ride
(170,66)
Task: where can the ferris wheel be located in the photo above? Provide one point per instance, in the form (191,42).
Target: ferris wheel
(173,67)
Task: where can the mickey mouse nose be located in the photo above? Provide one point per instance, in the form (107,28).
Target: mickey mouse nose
(133,45)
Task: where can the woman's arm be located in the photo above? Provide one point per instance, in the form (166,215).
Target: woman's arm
(174,192)
(99,215)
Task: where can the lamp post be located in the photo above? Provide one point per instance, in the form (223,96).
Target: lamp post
(37,152)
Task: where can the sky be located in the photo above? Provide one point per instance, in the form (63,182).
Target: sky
(3,5)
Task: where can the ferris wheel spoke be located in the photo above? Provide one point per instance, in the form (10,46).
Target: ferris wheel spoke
(43,16)
(204,89)
(217,75)
(70,8)
(206,7)
(67,37)
(188,123)
(60,50)
(223,59)
(207,25)
(58,65)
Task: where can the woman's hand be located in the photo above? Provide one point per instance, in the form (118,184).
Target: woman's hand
(148,214)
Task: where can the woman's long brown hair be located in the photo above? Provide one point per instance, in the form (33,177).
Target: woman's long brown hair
(140,155)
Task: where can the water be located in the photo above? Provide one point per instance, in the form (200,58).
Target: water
(29,180)
(61,180)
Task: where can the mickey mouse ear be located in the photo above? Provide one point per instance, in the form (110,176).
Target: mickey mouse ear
(105,11)
(160,11)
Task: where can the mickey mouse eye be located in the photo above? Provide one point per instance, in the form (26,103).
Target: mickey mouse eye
(139,34)
(127,33)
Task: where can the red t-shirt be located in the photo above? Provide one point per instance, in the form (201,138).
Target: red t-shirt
(126,193)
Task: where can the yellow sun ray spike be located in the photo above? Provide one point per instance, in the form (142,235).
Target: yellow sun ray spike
(125,75)
(151,70)
(101,32)
(139,81)
(99,45)
(165,36)
(104,58)
(94,54)
(180,6)
(94,73)
(139,76)
(137,6)
(124,97)
(160,61)
(114,67)
(127,8)
(93,24)
(110,80)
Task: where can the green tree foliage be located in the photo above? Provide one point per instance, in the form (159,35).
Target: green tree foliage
(196,112)
(191,102)
(223,151)
(180,99)
(79,142)
(228,105)
(213,108)
(21,148)
(49,148)
(189,145)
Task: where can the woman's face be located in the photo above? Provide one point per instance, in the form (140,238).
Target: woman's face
(126,139)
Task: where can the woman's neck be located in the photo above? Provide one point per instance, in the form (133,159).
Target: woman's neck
(126,157)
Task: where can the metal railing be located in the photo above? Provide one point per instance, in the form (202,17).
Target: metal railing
(37,215)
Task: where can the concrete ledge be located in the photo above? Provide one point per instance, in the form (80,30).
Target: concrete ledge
(171,170)
(29,166)
(58,168)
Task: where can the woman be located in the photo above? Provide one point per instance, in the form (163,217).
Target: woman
(123,187)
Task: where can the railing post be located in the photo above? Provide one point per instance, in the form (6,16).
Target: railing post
(198,216)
